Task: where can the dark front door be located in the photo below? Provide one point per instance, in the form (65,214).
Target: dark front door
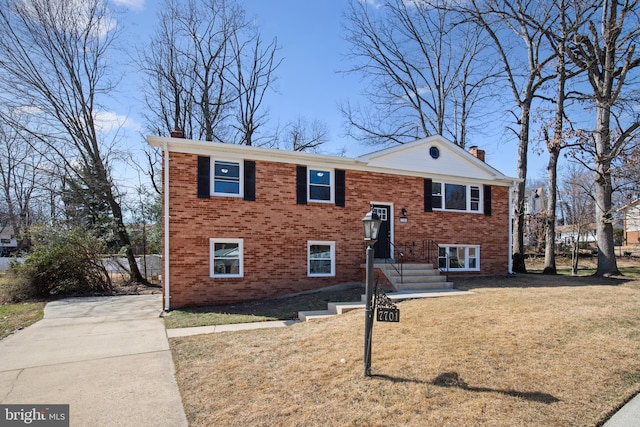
(382,248)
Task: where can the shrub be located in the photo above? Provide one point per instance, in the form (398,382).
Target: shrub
(62,262)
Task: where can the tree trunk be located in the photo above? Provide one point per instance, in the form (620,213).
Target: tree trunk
(550,218)
(607,265)
(523,146)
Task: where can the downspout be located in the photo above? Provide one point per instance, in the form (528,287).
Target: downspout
(165,188)
(510,244)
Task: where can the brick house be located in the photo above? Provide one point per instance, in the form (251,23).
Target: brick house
(244,223)
(631,212)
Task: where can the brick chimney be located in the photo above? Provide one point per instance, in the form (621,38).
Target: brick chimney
(177,133)
(476,152)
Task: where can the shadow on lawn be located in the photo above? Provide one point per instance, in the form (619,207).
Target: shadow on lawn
(452,379)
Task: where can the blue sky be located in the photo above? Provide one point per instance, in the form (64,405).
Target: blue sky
(310,83)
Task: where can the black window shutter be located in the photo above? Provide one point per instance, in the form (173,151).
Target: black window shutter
(428,205)
(487,200)
(204,179)
(301,185)
(340,187)
(250,180)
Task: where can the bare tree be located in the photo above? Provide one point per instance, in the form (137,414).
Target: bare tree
(570,17)
(54,63)
(207,71)
(577,206)
(21,182)
(526,72)
(253,76)
(303,135)
(427,71)
(606,51)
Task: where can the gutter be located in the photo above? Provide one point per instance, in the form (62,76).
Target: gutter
(165,188)
(510,244)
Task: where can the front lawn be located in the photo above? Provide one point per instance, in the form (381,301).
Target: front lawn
(18,316)
(282,308)
(521,350)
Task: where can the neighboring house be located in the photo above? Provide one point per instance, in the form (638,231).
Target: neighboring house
(568,234)
(244,223)
(8,242)
(631,220)
(535,213)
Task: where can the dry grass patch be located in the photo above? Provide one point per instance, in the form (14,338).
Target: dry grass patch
(508,356)
(17,316)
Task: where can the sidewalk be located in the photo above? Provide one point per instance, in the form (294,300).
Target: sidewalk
(627,416)
(107,357)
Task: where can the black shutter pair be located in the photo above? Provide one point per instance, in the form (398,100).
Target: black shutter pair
(204,178)
(428,198)
(301,186)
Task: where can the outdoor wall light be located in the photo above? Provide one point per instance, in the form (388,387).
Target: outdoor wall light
(404,212)
(371,223)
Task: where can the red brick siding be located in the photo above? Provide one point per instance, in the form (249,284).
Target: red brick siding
(276,230)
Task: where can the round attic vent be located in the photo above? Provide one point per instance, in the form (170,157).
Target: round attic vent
(434,152)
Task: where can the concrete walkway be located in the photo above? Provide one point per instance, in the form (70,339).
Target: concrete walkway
(107,357)
(627,416)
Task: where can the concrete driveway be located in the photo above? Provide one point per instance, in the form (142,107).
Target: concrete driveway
(107,357)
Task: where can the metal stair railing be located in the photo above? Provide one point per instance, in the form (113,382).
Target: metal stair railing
(393,260)
(433,256)
(427,251)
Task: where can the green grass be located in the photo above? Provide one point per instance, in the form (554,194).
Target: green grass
(18,316)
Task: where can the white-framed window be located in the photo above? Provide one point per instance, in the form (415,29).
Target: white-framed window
(226,257)
(456,197)
(321,259)
(226,179)
(320,188)
(459,257)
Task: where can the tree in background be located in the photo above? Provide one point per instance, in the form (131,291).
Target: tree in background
(515,28)
(426,71)
(606,50)
(305,135)
(207,70)
(557,133)
(55,61)
(21,184)
(577,207)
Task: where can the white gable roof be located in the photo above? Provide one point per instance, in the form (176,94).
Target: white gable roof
(415,157)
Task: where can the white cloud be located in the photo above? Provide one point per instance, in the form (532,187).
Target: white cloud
(107,121)
(130,4)
(374,3)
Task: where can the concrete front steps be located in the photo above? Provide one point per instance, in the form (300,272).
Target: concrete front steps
(336,308)
(414,277)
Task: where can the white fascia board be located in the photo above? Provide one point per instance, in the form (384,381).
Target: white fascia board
(375,162)
(235,151)
(629,205)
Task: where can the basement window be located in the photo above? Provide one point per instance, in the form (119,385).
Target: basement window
(321,259)
(226,257)
(459,257)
